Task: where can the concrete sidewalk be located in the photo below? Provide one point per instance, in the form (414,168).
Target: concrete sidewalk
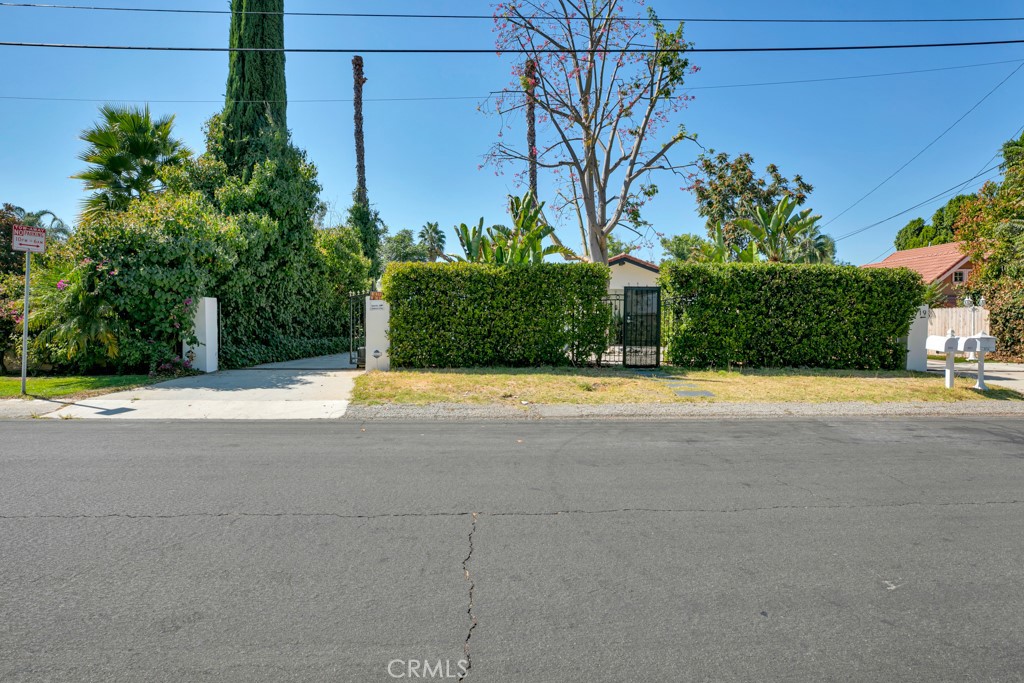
(306,389)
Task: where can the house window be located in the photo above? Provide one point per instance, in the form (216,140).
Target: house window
(959,277)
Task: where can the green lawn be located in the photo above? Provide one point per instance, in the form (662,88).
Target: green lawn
(63,387)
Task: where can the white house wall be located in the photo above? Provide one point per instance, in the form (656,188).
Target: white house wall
(631,275)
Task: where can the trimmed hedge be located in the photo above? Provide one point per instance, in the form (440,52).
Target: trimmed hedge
(473,314)
(782,315)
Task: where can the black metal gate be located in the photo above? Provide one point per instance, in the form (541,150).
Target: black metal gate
(357,328)
(641,327)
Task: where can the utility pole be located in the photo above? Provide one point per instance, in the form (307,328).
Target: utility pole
(358,81)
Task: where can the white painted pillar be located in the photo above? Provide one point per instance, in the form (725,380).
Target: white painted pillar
(917,338)
(207,348)
(378,325)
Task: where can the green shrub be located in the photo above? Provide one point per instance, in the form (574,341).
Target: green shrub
(781,315)
(11,288)
(471,314)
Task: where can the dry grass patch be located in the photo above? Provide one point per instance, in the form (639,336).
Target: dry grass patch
(608,385)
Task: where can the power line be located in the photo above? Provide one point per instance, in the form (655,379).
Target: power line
(484,97)
(222,100)
(928,146)
(955,188)
(882,255)
(383,15)
(515,51)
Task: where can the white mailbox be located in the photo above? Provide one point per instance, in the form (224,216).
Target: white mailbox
(942,344)
(979,343)
(947,345)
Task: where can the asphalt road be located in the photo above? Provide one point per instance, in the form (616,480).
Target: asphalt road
(773,550)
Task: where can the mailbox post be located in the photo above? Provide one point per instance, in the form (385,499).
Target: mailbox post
(947,345)
(979,344)
(951,345)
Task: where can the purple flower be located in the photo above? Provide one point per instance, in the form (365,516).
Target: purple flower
(177,325)
(62,285)
(188,301)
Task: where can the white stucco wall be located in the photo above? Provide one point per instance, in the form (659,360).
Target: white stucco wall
(631,275)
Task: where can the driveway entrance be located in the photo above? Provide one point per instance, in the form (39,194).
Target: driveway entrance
(307,389)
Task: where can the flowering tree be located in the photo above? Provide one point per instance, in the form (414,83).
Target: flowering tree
(605,84)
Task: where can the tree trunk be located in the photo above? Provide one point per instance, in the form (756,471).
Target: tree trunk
(598,247)
(358,82)
(530,76)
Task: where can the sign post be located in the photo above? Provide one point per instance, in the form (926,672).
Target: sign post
(28,240)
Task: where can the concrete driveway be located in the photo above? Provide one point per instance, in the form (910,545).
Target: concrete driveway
(307,389)
(1005,375)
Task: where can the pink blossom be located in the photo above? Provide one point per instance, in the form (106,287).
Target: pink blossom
(62,285)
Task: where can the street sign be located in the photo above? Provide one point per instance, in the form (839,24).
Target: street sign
(24,238)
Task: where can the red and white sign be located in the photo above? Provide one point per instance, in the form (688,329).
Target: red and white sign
(24,238)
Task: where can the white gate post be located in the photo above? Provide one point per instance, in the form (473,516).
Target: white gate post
(378,324)
(917,338)
(207,348)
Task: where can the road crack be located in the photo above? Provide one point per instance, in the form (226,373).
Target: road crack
(469,610)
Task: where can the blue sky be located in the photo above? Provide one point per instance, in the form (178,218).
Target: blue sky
(423,156)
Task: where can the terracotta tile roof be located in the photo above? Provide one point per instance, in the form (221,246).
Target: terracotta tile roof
(626,258)
(931,262)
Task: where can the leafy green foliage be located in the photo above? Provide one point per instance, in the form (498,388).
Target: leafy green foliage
(474,314)
(728,189)
(403,247)
(367,223)
(346,269)
(1004,299)
(782,315)
(285,295)
(782,236)
(126,152)
(128,299)
(991,224)
(10,261)
(684,247)
(941,230)
(521,244)
(257,99)
(615,246)
(11,290)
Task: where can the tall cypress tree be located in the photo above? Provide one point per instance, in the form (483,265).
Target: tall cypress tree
(256,99)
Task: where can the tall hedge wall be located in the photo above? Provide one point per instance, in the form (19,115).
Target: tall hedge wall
(472,314)
(782,315)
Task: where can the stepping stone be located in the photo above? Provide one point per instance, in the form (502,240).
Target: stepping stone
(695,394)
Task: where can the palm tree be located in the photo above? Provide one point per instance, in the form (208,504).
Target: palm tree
(126,151)
(777,233)
(813,246)
(433,238)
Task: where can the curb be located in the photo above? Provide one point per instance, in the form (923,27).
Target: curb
(665,411)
